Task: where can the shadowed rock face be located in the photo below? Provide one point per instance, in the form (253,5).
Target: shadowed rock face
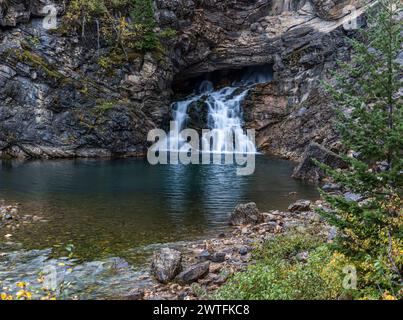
(55,101)
(307,168)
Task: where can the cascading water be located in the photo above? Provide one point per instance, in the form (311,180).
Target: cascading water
(225,117)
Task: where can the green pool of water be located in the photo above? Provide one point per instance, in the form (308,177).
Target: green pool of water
(116,207)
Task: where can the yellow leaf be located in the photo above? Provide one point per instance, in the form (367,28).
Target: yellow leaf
(20,294)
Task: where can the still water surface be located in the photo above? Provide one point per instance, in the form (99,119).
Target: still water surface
(112,207)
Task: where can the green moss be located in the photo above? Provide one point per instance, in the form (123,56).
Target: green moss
(105,106)
(37,61)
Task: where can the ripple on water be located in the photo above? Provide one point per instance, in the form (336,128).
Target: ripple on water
(108,278)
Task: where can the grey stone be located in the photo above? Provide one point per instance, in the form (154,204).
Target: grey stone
(244,250)
(166,264)
(136,294)
(246,214)
(308,170)
(204,256)
(193,273)
(218,257)
(349,196)
(300,206)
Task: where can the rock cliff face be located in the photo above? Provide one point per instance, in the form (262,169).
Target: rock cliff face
(56,101)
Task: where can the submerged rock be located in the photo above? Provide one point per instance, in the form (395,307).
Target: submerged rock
(246,214)
(8,213)
(300,206)
(166,264)
(193,273)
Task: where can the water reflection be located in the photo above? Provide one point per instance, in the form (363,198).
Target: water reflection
(107,207)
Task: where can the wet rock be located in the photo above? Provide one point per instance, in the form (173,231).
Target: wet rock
(166,264)
(300,206)
(308,170)
(246,214)
(8,213)
(193,273)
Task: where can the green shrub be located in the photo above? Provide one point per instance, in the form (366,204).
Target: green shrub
(280,275)
(124,25)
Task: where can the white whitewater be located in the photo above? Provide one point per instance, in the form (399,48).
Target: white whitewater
(225,117)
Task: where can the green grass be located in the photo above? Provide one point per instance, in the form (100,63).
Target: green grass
(280,275)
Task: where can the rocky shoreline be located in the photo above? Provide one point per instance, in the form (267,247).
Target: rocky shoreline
(196,270)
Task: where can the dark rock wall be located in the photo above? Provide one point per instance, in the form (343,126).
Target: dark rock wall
(55,101)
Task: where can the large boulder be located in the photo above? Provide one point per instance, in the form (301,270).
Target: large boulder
(308,170)
(166,264)
(246,214)
(193,273)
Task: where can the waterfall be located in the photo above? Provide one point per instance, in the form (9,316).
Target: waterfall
(225,118)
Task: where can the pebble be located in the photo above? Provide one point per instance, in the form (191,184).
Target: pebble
(243,250)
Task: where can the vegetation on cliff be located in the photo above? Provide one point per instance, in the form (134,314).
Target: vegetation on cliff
(126,27)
